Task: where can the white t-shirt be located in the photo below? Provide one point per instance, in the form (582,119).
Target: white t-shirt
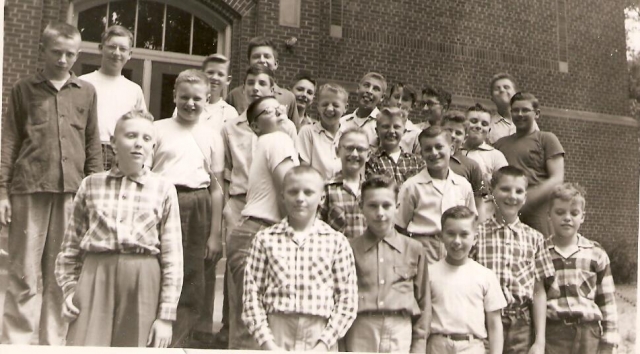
(180,149)
(116,96)
(262,199)
(460,296)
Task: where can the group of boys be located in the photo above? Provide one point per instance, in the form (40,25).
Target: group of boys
(359,232)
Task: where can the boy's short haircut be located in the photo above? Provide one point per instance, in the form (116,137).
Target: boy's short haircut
(434,131)
(478,107)
(258,69)
(215,58)
(525,96)
(390,112)
(455,117)
(305,76)
(352,131)
(500,76)
(377,76)
(507,171)
(302,170)
(117,31)
(443,96)
(568,192)
(335,89)
(261,42)
(253,111)
(457,213)
(135,114)
(192,76)
(59,29)
(377,182)
(407,90)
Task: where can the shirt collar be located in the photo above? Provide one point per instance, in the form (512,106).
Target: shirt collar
(499,118)
(140,178)
(373,115)
(582,242)
(392,239)
(317,126)
(319,228)
(456,158)
(485,147)
(73,79)
(380,152)
(514,226)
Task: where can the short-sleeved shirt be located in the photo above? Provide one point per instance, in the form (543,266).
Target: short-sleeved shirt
(409,141)
(460,297)
(262,198)
(318,148)
(501,127)
(218,113)
(341,208)
(421,203)
(488,158)
(179,154)
(368,124)
(237,99)
(530,153)
(470,170)
(381,163)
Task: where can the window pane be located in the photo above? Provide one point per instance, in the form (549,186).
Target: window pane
(178,32)
(166,95)
(205,38)
(150,15)
(123,13)
(88,20)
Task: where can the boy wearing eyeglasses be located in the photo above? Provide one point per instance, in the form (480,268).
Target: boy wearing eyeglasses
(539,154)
(435,102)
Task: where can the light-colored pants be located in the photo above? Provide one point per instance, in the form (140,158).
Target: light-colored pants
(379,334)
(35,236)
(231,214)
(434,248)
(297,332)
(439,344)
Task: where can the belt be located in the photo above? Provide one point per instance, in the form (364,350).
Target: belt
(569,321)
(414,234)
(457,337)
(383,313)
(261,221)
(128,251)
(180,188)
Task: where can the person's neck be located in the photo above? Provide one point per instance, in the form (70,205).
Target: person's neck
(331,128)
(351,176)
(456,262)
(505,112)
(391,149)
(301,225)
(56,76)
(379,235)
(565,242)
(438,174)
(302,111)
(472,144)
(502,218)
(364,112)
(130,169)
(521,133)
(109,72)
(215,97)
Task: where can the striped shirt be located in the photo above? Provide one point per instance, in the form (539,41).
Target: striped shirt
(341,208)
(116,213)
(314,275)
(381,163)
(517,255)
(583,287)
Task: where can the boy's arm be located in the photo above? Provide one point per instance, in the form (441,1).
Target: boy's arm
(606,301)
(540,193)
(140,103)
(304,145)
(214,243)
(539,317)
(406,205)
(12,128)
(228,161)
(93,153)
(171,261)
(422,293)
(494,330)
(278,181)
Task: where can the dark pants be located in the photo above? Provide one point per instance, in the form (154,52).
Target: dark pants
(195,219)
(572,339)
(518,333)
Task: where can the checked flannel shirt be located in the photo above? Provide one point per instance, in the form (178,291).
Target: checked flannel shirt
(583,287)
(381,163)
(315,276)
(341,208)
(116,213)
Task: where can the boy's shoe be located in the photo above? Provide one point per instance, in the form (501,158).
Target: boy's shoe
(221,339)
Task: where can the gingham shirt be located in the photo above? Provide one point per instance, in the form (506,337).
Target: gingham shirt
(381,163)
(314,277)
(517,255)
(583,287)
(341,208)
(114,213)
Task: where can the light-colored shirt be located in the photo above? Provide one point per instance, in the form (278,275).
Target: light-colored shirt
(460,297)
(237,99)
(115,213)
(217,113)
(117,96)
(422,203)
(187,155)
(313,276)
(409,141)
(368,124)
(488,158)
(262,198)
(318,148)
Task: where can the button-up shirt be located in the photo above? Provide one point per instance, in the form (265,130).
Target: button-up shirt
(517,255)
(409,141)
(50,138)
(318,148)
(488,158)
(117,213)
(393,276)
(381,163)
(350,121)
(341,208)
(583,287)
(312,276)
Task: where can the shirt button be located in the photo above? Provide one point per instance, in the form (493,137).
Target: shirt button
(121,221)
(64,159)
(381,303)
(381,260)
(124,196)
(382,281)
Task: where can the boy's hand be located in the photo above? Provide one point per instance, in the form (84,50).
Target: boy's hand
(5,211)
(605,348)
(320,347)
(69,311)
(537,348)
(160,334)
(213,251)
(271,345)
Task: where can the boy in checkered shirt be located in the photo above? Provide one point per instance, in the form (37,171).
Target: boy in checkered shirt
(300,289)
(581,306)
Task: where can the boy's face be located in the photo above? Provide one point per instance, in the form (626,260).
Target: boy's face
(458,236)
(190,100)
(354,153)
(379,209)
(59,54)
(305,91)
(116,52)
(436,152)
(509,194)
(271,115)
(502,91)
(133,141)
(302,195)
(566,217)
(479,125)
(433,109)
(218,74)
(256,86)
(331,106)
(370,93)
(263,56)
(401,100)
(524,116)
(458,133)
(390,131)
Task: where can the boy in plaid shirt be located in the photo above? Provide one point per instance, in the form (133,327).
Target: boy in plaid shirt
(581,306)
(300,289)
(516,253)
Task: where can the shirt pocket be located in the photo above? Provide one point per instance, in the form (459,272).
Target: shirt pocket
(523,262)
(78,118)
(587,281)
(39,111)
(403,275)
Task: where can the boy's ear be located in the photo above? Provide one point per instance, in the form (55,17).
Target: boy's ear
(113,142)
(229,77)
